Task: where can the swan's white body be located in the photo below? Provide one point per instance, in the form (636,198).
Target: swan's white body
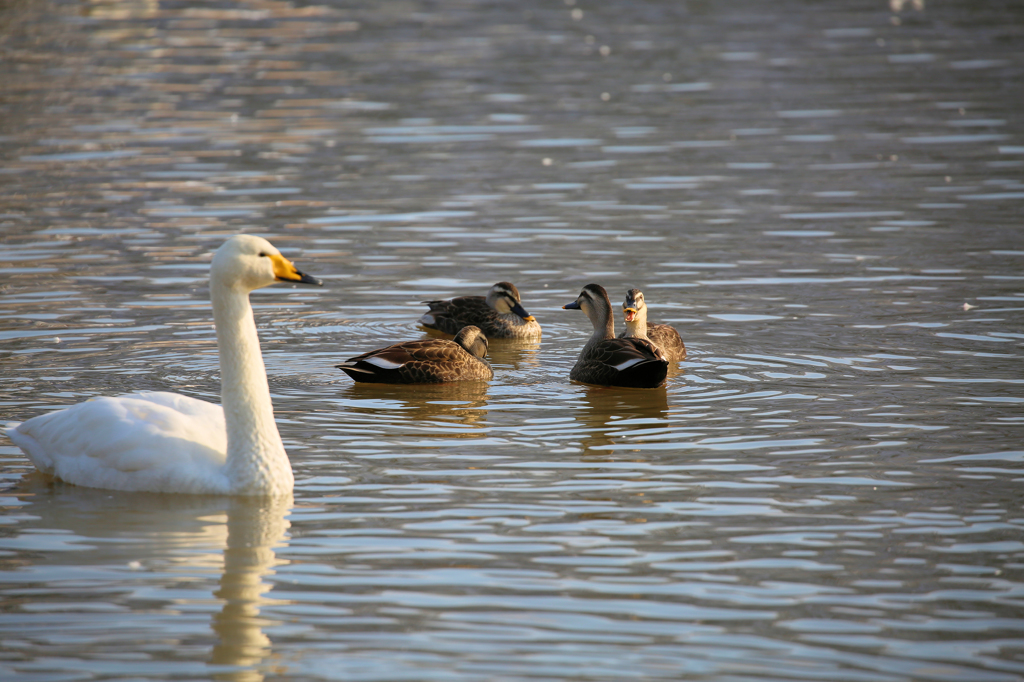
(170,443)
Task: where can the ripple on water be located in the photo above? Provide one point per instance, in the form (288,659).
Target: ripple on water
(827,489)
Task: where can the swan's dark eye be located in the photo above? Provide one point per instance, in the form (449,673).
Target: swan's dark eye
(262,254)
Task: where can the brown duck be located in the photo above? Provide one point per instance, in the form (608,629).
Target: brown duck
(666,338)
(427,361)
(608,361)
(500,315)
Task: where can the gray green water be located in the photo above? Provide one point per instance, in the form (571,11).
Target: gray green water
(824,198)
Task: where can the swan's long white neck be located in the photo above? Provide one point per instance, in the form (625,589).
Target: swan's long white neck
(256,460)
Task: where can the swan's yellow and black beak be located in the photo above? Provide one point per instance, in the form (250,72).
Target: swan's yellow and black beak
(285,271)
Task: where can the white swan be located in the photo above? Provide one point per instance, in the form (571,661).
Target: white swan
(170,443)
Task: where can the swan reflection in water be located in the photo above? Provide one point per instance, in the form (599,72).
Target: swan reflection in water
(150,544)
(254,529)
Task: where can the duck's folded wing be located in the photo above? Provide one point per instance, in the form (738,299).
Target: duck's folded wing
(625,353)
(461,303)
(392,357)
(425,361)
(622,362)
(667,339)
(457,312)
(440,360)
(401,354)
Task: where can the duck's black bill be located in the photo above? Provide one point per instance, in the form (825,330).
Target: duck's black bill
(519,310)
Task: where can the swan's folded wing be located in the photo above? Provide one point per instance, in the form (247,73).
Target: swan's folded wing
(128,442)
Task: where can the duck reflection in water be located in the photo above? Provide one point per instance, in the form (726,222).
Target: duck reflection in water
(514,354)
(421,407)
(611,416)
(169,539)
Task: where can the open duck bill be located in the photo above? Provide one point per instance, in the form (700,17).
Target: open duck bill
(629,314)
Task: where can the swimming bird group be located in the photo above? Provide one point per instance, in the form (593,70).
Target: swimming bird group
(633,359)
(171,443)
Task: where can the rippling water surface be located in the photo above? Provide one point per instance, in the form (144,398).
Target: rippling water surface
(824,198)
